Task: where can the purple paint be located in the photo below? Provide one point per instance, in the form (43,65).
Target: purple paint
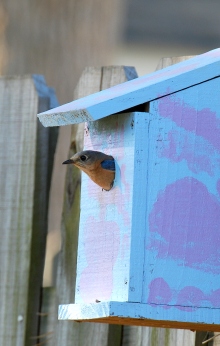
(184,225)
(159,292)
(197,153)
(201,122)
(189,298)
(218,185)
(215,298)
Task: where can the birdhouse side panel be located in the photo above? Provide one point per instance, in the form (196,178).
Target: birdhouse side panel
(142,123)
(105,218)
(182,252)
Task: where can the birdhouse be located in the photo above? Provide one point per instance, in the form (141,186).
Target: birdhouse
(149,249)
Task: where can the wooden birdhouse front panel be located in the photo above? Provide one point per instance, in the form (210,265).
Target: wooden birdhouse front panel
(103,264)
(182,252)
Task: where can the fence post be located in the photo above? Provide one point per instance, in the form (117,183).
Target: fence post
(133,335)
(26,158)
(91,81)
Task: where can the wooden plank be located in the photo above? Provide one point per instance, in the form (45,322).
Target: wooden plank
(84,334)
(114,75)
(65,283)
(149,335)
(202,337)
(216,340)
(116,269)
(138,336)
(172,336)
(24,187)
(48,317)
(138,232)
(115,333)
(105,224)
(188,151)
(144,89)
(165,62)
(142,315)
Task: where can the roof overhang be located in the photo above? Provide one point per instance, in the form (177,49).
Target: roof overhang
(136,92)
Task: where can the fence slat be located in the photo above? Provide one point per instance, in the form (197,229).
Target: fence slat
(91,81)
(24,162)
(137,336)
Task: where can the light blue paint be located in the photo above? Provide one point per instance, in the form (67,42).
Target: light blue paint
(198,144)
(162,172)
(178,142)
(138,311)
(140,183)
(201,95)
(96,203)
(44,90)
(178,276)
(137,91)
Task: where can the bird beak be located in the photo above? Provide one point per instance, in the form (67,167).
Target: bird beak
(67,162)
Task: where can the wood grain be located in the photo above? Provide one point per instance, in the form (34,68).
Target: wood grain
(91,81)
(25,169)
(142,315)
(139,335)
(165,62)
(135,92)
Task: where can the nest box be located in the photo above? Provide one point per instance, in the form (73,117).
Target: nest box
(149,249)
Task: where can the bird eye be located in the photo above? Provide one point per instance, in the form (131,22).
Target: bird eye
(83,157)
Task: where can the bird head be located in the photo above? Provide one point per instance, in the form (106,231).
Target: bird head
(88,159)
(99,166)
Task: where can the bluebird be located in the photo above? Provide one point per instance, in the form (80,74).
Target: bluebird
(99,167)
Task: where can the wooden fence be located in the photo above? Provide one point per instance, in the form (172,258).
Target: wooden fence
(26,158)
(28,313)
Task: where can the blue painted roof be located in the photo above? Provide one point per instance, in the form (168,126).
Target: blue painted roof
(135,92)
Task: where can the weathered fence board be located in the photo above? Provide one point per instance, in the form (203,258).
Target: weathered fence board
(92,80)
(134,336)
(216,341)
(48,317)
(25,167)
(139,336)
(164,62)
